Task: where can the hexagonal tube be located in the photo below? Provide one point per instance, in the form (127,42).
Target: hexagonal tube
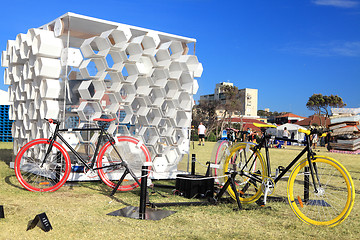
(92,89)
(149,135)
(127,93)
(133,51)
(117,37)
(89,110)
(47,67)
(139,106)
(185,101)
(124,114)
(95,47)
(157,96)
(115,60)
(50,88)
(47,45)
(159,77)
(93,68)
(168,108)
(49,109)
(130,72)
(142,86)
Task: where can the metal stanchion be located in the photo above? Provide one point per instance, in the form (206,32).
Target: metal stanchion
(143,192)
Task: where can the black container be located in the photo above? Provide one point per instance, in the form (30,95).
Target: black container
(197,186)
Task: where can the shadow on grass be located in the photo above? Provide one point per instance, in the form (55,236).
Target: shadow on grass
(11,180)
(103,189)
(6,155)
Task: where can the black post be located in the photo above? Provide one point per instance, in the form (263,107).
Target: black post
(2,215)
(306,183)
(143,192)
(193,160)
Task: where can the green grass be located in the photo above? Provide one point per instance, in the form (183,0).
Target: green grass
(78,211)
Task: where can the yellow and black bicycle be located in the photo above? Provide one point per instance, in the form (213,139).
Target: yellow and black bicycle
(320,190)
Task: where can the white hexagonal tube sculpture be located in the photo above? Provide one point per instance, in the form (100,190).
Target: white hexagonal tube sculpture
(141,77)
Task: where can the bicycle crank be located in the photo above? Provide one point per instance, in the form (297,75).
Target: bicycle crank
(267,187)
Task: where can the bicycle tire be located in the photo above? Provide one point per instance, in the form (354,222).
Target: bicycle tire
(249,191)
(335,198)
(220,154)
(136,154)
(47,178)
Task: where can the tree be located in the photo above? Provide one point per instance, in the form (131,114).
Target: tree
(205,112)
(320,104)
(232,103)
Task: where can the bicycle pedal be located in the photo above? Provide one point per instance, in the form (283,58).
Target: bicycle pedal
(260,202)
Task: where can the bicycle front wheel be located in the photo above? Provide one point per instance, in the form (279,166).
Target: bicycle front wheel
(251,168)
(110,167)
(38,172)
(335,195)
(219,154)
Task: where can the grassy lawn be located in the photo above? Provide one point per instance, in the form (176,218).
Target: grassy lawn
(78,211)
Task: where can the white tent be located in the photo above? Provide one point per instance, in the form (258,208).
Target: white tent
(293,129)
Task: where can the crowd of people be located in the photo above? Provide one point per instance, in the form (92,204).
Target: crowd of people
(251,135)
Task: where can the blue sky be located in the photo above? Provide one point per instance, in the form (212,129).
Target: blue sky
(288,50)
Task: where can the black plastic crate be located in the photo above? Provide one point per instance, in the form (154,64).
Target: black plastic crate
(197,186)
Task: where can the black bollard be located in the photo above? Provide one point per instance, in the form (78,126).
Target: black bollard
(143,192)
(2,215)
(193,160)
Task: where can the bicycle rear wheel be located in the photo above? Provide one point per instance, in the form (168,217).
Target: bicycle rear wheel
(248,162)
(37,174)
(110,170)
(335,197)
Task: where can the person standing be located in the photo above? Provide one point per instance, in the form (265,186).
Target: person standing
(286,135)
(201,132)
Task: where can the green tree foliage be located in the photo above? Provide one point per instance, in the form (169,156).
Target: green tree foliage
(205,112)
(232,103)
(320,103)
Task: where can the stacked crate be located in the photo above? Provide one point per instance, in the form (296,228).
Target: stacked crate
(5,124)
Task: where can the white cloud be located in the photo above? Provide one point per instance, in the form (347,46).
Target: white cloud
(335,48)
(337,3)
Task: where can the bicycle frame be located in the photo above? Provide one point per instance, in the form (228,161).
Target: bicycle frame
(56,134)
(264,143)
